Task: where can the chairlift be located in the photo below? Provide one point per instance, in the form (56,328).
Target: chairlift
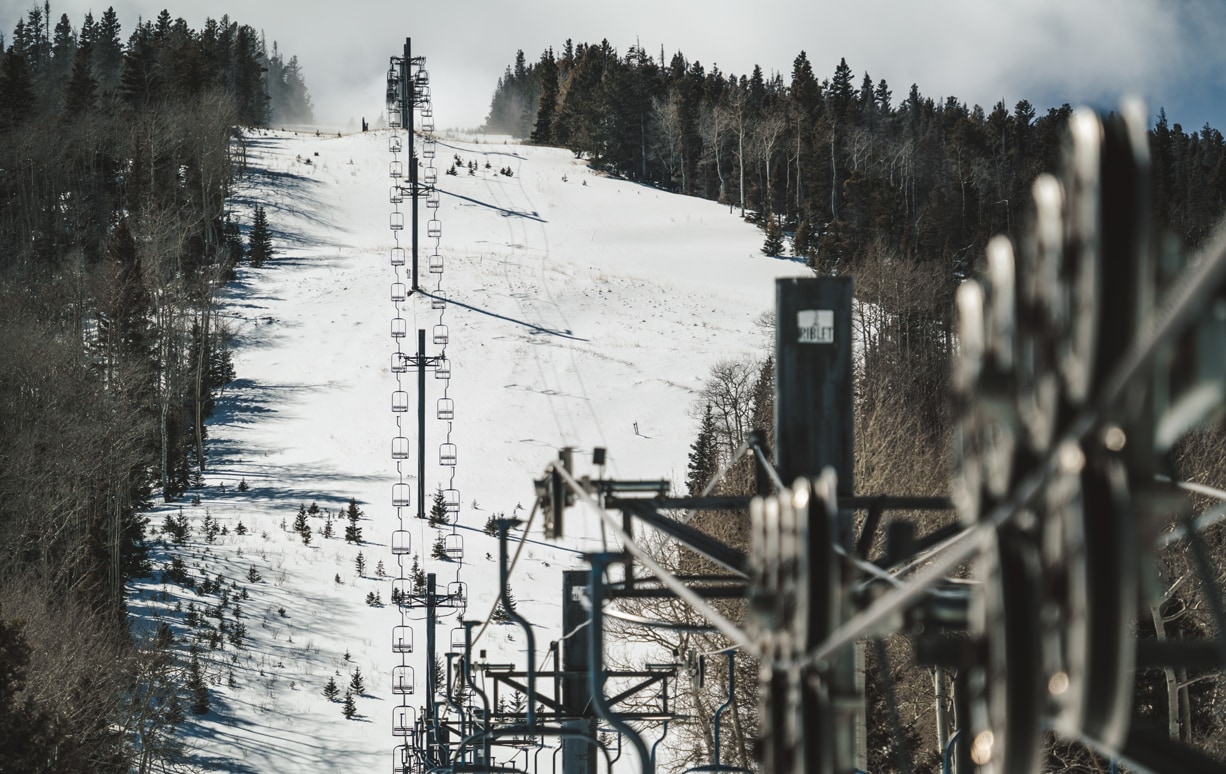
(395,195)
(402,541)
(399,364)
(398,256)
(427,149)
(427,110)
(447,454)
(438,300)
(436,264)
(430,176)
(395,169)
(458,640)
(393,115)
(446,409)
(395,144)
(457,591)
(422,77)
(400,327)
(396,220)
(403,721)
(432,199)
(402,639)
(422,94)
(399,291)
(402,762)
(440,330)
(434,228)
(402,594)
(400,400)
(400,495)
(443,369)
(427,123)
(400,448)
(453,547)
(451,501)
(403,682)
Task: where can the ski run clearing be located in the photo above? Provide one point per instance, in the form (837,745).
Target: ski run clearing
(584,311)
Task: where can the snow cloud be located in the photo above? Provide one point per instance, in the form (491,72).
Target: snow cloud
(982,51)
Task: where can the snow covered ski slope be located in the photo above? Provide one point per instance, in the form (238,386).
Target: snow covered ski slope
(583,311)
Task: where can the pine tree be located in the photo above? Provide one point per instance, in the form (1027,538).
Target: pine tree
(328,525)
(349,708)
(502,611)
(331,691)
(439,549)
(773,245)
(302,526)
(380,571)
(356,684)
(259,245)
(542,134)
(704,455)
(359,564)
(196,685)
(353,533)
(438,508)
(417,576)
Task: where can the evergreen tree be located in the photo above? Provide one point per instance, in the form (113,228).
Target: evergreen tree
(547,70)
(331,691)
(356,684)
(196,686)
(704,455)
(417,576)
(302,526)
(259,245)
(438,509)
(439,549)
(359,564)
(380,571)
(17,99)
(353,533)
(349,707)
(773,245)
(81,91)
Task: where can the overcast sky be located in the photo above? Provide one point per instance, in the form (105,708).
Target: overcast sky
(1171,52)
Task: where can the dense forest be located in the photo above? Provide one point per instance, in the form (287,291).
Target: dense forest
(116,157)
(903,194)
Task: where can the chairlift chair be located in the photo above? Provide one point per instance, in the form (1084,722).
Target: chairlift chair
(402,592)
(396,220)
(403,721)
(393,115)
(402,639)
(447,454)
(427,149)
(434,228)
(402,761)
(451,501)
(458,640)
(438,300)
(400,495)
(395,169)
(440,330)
(446,409)
(400,327)
(403,682)
(436,264)
(457,591)
(443,369)
(399,364)
(395,195)
(453,547)
(432,199)
(395,144)
(402,542)
(400,448)
(399,291)
(398,256)
(430,176)
(422,77)
(427,123)
(400,400)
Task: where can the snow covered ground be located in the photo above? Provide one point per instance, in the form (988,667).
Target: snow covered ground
(584,311)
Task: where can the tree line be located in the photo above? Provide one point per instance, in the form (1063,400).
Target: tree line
(839,162)
(116,160)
